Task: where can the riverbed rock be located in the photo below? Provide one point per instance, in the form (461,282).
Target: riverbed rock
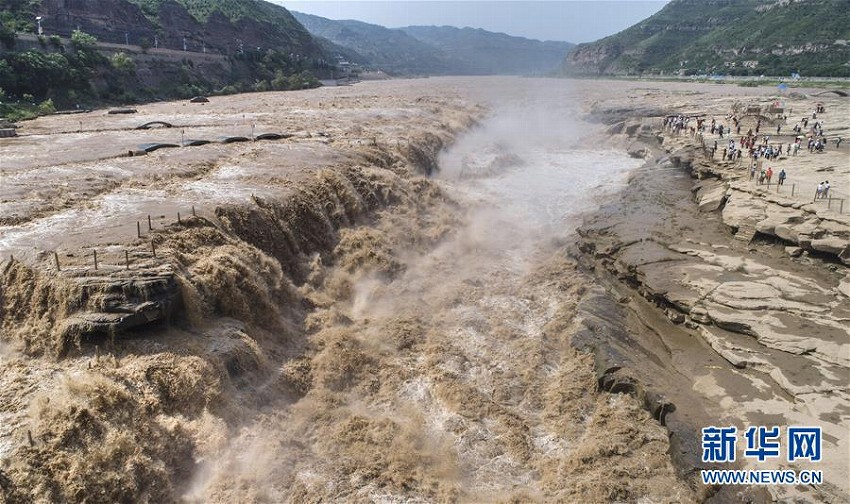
(710,195)
(794,251)
(830,245)
(844,286)
(637,150)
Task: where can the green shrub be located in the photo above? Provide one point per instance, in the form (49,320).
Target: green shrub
(123,63)
(82,40)
(46,107)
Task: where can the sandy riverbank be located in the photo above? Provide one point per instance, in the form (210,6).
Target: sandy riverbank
(334,325)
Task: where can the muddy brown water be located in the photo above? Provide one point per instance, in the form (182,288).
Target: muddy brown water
(348,330)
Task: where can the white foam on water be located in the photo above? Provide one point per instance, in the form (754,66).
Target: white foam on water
(553,186)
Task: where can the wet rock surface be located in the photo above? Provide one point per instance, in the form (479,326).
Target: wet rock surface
(747,276)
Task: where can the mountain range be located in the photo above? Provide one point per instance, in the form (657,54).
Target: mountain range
(441,50)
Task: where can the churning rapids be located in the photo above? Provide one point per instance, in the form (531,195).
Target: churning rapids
(452,377)
(365,334)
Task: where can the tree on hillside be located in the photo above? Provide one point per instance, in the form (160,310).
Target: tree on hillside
(82,40)
(123,63)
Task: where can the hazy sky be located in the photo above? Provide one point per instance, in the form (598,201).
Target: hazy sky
(571,21)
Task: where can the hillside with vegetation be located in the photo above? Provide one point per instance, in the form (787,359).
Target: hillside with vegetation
(380,48)
(256,22)
(438,50)
(120,51)
(730,37)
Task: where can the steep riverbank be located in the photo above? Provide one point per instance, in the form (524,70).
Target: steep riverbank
(741,293)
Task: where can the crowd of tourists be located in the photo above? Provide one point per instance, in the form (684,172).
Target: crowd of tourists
(808,134)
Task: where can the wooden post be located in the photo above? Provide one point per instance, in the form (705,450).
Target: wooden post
(138,229)
(153,248)
(95,259)
(793,186)
(127,258)
(56,259)
(178,218)
(193,210)
(150,226)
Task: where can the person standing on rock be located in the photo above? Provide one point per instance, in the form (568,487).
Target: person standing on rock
(838,142)
(769,174)
(782,176)
(826,189)
(819,191)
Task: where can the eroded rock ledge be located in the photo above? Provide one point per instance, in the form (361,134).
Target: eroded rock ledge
(748,209)
(752,286)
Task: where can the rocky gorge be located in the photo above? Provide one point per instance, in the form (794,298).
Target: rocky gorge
(368,308)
